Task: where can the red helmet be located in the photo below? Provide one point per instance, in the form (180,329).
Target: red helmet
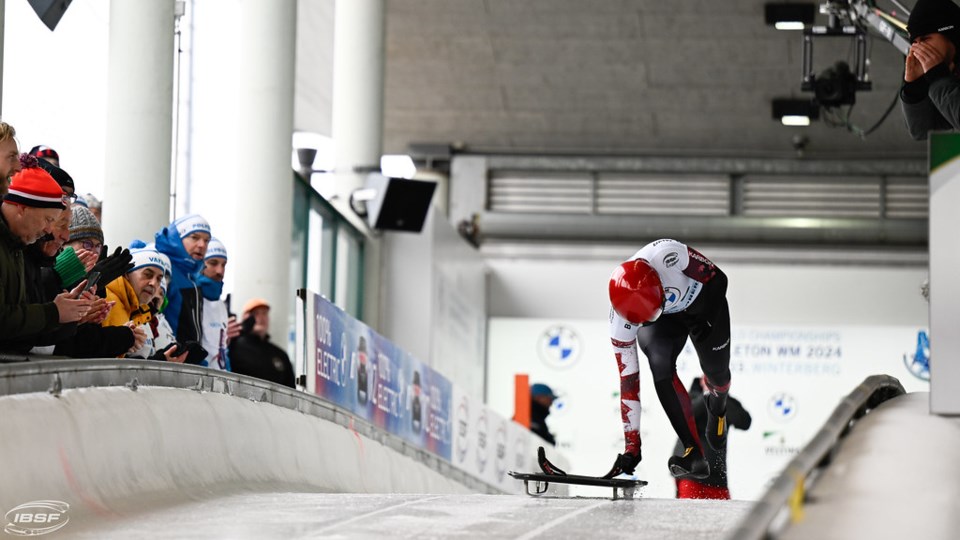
(636,292)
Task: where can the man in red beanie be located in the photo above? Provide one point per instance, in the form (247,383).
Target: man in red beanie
(28,212)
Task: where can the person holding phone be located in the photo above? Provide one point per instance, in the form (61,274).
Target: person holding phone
(252,353)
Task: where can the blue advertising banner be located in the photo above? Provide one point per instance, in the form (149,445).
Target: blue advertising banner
(366,374)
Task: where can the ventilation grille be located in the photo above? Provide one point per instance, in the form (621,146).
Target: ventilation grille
(708,195)
(811,197)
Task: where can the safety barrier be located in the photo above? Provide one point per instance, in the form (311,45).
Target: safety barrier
(772,513)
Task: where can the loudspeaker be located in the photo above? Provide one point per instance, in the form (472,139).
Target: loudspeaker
(399,204)
(50,11)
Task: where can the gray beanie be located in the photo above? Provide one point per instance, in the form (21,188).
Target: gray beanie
(83,225)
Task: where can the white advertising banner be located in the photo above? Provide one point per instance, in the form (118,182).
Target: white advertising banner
(788,378)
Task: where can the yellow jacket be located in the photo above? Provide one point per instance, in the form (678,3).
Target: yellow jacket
(128,307)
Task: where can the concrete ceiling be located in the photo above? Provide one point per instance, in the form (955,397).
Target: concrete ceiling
(616,77)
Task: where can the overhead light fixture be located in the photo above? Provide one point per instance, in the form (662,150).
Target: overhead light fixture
(789,16)
(795,112)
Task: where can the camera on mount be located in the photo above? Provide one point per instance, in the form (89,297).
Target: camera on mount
(835,86)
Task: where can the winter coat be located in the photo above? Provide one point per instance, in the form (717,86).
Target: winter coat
(18,319)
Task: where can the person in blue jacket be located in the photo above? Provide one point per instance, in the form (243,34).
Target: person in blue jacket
(185,242)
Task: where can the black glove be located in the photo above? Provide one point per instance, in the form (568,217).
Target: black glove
(195,352)
(111,267)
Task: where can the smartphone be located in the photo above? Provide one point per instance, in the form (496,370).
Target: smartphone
(92,280)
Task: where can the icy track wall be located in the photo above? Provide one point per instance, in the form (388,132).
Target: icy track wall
(103,449)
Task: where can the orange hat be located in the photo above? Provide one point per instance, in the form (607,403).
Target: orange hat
(35,187)
(253,304)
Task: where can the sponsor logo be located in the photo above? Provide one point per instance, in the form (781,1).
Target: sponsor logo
(482,442)
(918,362)
(782,407)
(501,448)
(671,259)
(672,295)
(463,429)
(559,347)
(721,347)
(36,518)
(775,444)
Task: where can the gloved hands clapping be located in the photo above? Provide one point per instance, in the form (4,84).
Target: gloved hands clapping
(112,267)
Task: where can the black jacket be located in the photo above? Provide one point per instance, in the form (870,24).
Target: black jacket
(932,102)
(20,320)
(257,357)
(538,422)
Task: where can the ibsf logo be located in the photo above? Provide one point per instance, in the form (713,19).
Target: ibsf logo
(36,518)
(782,407)
(559,347)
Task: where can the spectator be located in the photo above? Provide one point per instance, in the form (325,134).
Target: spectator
(29,211)
(931,85)
(218,326)
(85,252)
(715,485)
(95,205)
(9,156)
(46,153)
(541,398)
(252,353)
(185,243)
(133,293)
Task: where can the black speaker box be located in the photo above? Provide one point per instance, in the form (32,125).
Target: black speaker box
(400,204)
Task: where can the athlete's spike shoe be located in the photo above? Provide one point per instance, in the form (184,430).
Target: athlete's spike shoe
(716,430)
(625,464)
(690,465)
(546,466)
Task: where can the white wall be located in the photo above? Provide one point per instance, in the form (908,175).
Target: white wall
(433,300)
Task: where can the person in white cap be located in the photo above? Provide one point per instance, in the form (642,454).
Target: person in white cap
(219,327)
(185,242)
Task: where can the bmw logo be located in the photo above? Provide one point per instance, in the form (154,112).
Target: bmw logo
(782,407)
(559,347)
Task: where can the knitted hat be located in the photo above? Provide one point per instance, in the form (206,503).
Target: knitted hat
(190,224)
(934,16)
(36,188)
(83,224)
(58,174)
(216,249)
(42,151)
(147,255)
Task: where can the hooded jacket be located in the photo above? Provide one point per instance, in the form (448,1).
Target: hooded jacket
(128,307)
(184,299)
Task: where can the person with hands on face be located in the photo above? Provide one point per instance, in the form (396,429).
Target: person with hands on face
(930,95)
(85,252)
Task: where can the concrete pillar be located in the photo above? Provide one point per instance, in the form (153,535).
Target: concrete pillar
(357,90)
(136,188)
(264,182)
